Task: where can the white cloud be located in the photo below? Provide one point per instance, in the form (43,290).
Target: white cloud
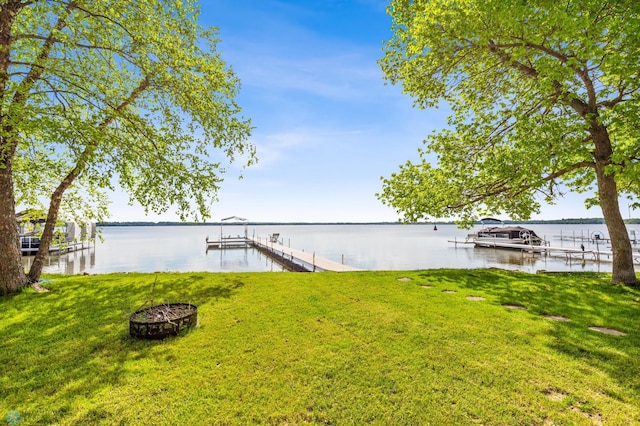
(347,77)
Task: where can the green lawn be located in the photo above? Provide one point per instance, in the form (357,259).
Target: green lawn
(325,348)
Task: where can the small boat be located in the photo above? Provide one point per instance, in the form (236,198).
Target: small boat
(505,236)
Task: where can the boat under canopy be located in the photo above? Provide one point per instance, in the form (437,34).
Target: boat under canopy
(508,235)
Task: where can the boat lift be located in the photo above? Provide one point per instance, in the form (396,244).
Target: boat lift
(231,241)
(570,254)
(291,259)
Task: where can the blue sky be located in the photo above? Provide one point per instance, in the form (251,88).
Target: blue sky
(327,127)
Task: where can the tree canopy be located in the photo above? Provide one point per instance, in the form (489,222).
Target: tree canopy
(544,99)
(99,94)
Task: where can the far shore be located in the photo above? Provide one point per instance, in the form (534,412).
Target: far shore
(573,221)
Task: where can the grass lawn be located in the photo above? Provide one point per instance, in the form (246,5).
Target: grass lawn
(325,348)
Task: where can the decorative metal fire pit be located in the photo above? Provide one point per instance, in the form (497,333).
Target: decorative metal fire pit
(160,321)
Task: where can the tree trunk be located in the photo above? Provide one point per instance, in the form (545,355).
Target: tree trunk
(12,276)
(623,269)
(47,236)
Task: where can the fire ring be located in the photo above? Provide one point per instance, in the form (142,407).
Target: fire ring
(160,321)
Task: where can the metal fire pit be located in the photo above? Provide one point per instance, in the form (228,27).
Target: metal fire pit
(160,321)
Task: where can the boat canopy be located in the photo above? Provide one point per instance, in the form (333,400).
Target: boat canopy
(508,232)
(508,228)
(233,219)
(490,220)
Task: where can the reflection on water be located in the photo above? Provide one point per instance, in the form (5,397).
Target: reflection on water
(75,262)
(243,259)
(532,262)
(370,247)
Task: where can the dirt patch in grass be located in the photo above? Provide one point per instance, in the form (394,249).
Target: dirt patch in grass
(557,318)
(555,395)
(517,307)
(607,330)
(596,419)
(38,288)
(475,298)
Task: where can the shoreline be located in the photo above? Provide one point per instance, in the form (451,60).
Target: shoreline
(571,221)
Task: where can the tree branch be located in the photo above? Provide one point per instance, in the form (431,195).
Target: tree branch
(502,187)
(56,40)
(81,162)
(37,69)
(8,148)
(506,59)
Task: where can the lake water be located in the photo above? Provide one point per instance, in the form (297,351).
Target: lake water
(371,247)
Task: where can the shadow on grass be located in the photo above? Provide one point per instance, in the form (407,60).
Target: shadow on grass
(587,299)
(73,342)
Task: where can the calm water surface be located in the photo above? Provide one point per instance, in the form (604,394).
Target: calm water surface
(371,247)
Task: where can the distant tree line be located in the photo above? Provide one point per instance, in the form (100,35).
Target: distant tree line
(573,221)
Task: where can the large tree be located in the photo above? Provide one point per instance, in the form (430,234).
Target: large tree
(544,97)
(96,94)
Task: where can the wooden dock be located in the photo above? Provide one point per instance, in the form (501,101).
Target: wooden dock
(292,259)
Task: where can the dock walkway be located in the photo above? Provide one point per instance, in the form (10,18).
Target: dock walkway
(294,259)
(316,263)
